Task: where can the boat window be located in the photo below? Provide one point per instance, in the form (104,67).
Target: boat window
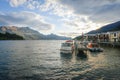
(66,44)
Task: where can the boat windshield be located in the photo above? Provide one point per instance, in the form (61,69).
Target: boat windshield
(66,44)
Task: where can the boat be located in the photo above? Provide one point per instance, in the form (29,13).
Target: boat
(94,47)
(69,41)
(67,47)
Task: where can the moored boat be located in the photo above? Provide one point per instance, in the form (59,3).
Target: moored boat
(67,47)
(94,47)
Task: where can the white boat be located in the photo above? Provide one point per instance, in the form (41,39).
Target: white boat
(67,47)
(94,47)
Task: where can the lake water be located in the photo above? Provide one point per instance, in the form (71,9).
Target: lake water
(41,60)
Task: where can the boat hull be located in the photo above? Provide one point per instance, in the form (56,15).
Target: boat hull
(95,49)
(65,51)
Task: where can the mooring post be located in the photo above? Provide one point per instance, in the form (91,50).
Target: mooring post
(76,47)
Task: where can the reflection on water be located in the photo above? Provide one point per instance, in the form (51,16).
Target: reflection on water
(38,60)
(82,55)
(66,56)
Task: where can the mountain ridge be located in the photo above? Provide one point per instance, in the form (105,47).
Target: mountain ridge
(107,28)
(30,34)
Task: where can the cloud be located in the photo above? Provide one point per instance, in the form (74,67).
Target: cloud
(70,34)
(107,14)
(78,15)
(54,7)
(30,4)
(26,18)
(81,24)
(33,4)
(16,3)
(98,11)
(103,12)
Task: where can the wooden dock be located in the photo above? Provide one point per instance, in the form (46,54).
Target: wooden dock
(112,44)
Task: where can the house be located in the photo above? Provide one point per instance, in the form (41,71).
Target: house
(103,37)
(92,37)
(114,36)
(106,37)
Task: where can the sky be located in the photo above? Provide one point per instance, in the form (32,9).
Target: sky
(62,17)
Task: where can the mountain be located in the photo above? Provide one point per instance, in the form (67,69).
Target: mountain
(110,27)
(8,36)
(56,37)
(29,34)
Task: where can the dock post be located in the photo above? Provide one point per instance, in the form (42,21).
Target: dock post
(76,47)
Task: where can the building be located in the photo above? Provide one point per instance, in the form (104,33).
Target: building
(92,37)
(106,37)
(115,36)
(119,36)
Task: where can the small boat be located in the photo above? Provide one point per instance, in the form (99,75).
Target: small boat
(94,47)
(69,41)
(66,47)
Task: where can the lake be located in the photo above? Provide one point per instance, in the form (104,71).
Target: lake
(41,60)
